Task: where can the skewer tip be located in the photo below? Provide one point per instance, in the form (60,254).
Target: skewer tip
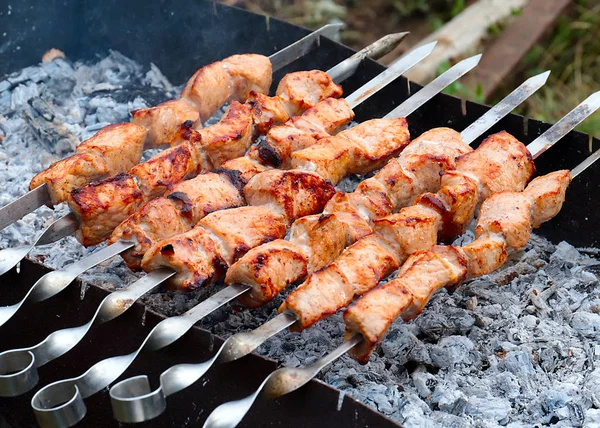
(472,60)
(427,48)
(589,161)
(539,79)
(593,100)
(398,37)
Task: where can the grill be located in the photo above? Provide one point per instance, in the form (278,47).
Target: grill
(179,37)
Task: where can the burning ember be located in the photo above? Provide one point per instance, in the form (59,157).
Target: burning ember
(516,347)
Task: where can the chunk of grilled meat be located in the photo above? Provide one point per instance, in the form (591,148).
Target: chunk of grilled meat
(358,150)
(178,211)
(201,150)
(201,255)
(505,223)
(327,116)
(297,92)
(416,228)
(314,242)
(232,79)
(163,121)
(323,120)
(113,149)
(418,168)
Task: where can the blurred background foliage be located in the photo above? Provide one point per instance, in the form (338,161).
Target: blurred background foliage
(571,49)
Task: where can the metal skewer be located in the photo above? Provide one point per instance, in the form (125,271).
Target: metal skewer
(39,196)
(10,257)
(132,399)
(61,403)
(286,379)
(20,365)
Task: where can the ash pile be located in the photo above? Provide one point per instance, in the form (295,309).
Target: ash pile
(45,111)
(517,348)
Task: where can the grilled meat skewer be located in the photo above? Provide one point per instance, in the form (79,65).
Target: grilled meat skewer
(384,137)
(99,213)
(218,240)
(159,121)
(268,269)
(187,202)
(499,165)
(505,223)
(367,320)
(118,148)
(217,227)
(375,256)
(51,284)
(372,142)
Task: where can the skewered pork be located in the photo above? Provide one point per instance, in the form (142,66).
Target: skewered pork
(416,170)
(201,255)
(501,163)
(117,148)
(505,223)
(293,193)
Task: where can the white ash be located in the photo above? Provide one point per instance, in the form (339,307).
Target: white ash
(45,110)
(520,347)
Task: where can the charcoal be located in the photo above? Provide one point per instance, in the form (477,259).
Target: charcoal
(451,351)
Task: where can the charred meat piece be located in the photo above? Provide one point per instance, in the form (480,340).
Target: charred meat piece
(114,149)
(324,119)
(201,255)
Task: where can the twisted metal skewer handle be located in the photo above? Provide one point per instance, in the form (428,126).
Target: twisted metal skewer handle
(64,398)
(133,400)
(282,381)
(60,228)
(18,367)
(54,282)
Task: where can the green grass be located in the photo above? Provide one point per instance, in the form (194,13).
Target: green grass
(572,52)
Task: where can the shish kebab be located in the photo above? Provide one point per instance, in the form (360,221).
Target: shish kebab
(99,207)
(106,371)
(204,201)
(505,223)
(16,371)
(363,265)
(201,97)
